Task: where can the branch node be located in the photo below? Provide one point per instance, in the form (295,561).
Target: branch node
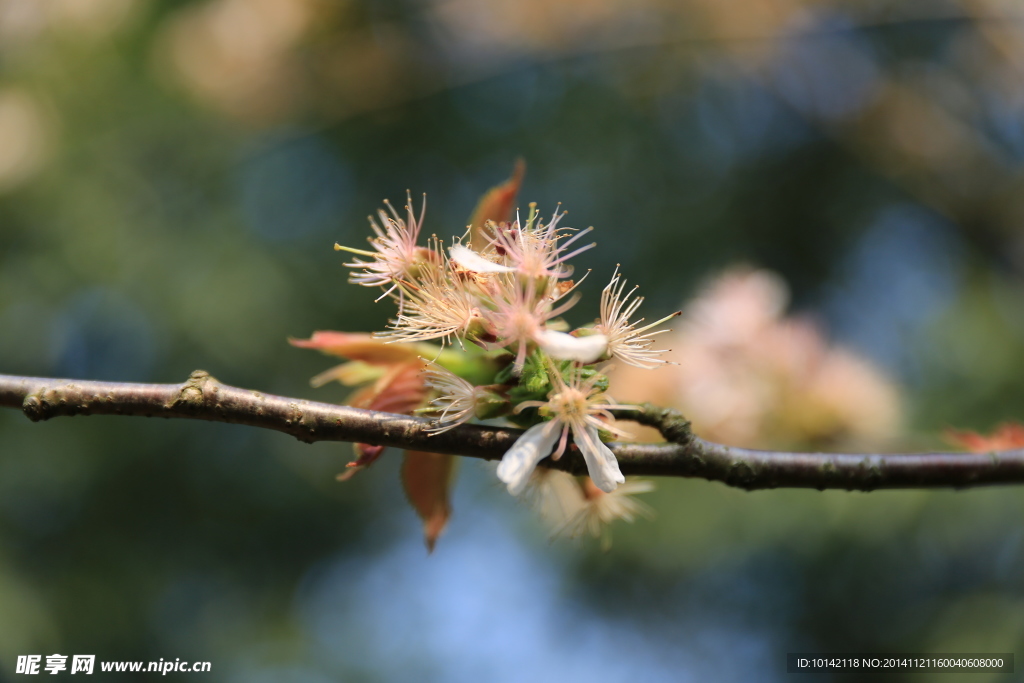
(34,408)
(668,421)
(192,393)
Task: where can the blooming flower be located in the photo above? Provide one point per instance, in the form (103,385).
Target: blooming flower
(534,249)
(600,508)
(436,306)
(577,406)
(519,315)
(572,507)
(555,495)
(396,254)
(627,342)
(531,250)
(457,399)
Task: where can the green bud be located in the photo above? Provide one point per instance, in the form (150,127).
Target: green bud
(491,404)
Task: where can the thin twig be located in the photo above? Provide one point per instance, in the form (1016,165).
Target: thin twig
(685,455)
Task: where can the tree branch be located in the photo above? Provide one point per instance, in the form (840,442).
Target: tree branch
(204,398)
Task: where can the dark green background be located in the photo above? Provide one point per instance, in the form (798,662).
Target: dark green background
(871,156)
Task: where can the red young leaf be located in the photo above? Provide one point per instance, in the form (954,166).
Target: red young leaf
(366,455)
(402,390)
(496,205)
(1007,436)
(358,346)
(427,479)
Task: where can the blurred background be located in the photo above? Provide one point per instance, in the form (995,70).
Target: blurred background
(832,191)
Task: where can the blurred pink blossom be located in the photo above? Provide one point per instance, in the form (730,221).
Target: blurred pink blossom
(749,376)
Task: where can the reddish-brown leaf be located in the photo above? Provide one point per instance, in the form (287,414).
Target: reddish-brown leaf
(359,346)
(427,479)
(1007,436)
(402,390)
(496,205)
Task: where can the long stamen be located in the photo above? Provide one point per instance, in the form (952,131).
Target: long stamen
(655,324)
(361,252)
(578,235)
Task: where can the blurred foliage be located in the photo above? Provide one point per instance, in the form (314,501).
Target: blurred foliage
(172,177)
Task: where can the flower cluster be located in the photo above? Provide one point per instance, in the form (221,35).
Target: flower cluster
(478,334)
(502,303)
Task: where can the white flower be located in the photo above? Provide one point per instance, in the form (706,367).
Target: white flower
(534,445)
(562,346)
(555,495)
(599,509)
(626,342)
(457,400)
(534,248)
(572,507)
(472,261)
(576,406)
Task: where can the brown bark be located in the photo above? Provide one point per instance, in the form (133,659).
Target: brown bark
(204,398)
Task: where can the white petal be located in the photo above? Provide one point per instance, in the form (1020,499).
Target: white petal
(533,446)
(601,462)
(562,346)
(470,260)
